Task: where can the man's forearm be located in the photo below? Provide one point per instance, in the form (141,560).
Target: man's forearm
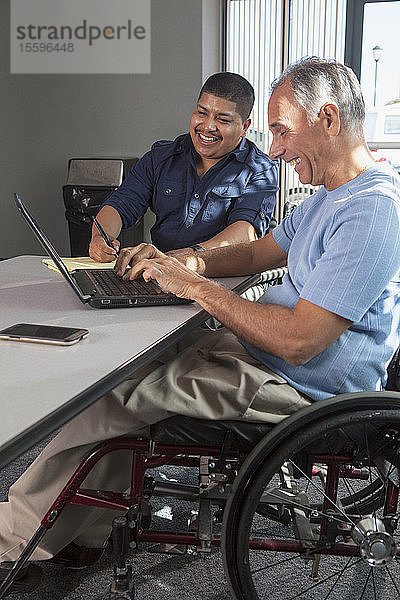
(264,326)
(236,233)
(295,335)
(110,220)
(221,262)
(237,259)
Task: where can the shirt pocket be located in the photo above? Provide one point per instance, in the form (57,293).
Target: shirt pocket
(220,201)
(264,215)
(169,199)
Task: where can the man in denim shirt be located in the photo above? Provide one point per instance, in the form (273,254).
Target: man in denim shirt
(210,187)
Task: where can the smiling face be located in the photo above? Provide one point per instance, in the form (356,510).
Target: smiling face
(216,128)
(295,140)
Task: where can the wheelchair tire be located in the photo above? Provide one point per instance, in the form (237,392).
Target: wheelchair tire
(309,546)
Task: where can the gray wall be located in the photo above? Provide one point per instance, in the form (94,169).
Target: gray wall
(47,119)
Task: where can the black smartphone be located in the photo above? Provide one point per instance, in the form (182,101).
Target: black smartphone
(44,334)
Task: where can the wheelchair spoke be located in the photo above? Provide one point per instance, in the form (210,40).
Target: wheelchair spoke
(369,454)
(373,580)
(319,489)
(365,586)
(351,564)
(319,522)
(352,499)
(293,504)
(295,557)
(393,581)
(352,494)
(338,574)
(333,586)
(346,482)
(274,564)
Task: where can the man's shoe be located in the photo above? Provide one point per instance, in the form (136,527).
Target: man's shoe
(76,557)
(27,580)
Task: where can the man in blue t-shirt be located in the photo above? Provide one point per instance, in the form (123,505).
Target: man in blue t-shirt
(208,188)
(331,326)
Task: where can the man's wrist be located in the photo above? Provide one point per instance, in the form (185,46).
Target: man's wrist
(209,294)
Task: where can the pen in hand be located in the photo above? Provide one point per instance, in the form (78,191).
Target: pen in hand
(104,235)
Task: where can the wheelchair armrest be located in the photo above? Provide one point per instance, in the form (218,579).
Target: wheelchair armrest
(272,275)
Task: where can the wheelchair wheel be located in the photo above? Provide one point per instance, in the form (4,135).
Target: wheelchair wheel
(317,517)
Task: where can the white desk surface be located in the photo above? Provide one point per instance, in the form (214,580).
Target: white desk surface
(43,386)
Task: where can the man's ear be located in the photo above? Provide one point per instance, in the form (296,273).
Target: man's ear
(246,125)
(330,118)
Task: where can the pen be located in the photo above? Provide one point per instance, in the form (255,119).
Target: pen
(104,235)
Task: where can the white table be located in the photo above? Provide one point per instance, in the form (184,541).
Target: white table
(42,387)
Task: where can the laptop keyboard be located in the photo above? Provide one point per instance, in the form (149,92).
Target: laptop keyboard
(111,285)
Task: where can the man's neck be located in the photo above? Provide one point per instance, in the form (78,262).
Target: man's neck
(204,164)
(351,163)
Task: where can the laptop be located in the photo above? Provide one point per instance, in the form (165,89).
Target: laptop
(102,288)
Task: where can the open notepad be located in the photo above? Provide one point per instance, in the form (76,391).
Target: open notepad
(81,262)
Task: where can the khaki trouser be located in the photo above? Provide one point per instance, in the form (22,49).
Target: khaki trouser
(214,379)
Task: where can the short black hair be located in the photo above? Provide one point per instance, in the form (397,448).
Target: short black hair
(232,87)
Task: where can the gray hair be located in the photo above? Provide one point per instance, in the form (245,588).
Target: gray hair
(315,81)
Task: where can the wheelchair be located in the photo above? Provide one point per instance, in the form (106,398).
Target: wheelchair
(308,508)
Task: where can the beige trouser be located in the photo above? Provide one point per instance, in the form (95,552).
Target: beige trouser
(214,379)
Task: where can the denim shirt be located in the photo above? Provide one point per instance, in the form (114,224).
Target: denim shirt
(190,210)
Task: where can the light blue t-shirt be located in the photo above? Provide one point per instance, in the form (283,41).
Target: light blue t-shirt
(344,255)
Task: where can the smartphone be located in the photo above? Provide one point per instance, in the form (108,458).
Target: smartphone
(44,334)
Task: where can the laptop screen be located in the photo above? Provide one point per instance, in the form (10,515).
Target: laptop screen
(48,246)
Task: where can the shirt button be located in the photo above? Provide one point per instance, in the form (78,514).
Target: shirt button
(196,195)
(168,191)
(187,224)
(262,215)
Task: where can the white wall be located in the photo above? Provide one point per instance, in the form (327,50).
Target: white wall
(46,119)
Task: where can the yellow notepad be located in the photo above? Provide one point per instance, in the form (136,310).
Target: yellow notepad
(81,262)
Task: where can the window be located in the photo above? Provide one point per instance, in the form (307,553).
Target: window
(262,37)
(380,69)
(392,124)
(370,125)
(374,48)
